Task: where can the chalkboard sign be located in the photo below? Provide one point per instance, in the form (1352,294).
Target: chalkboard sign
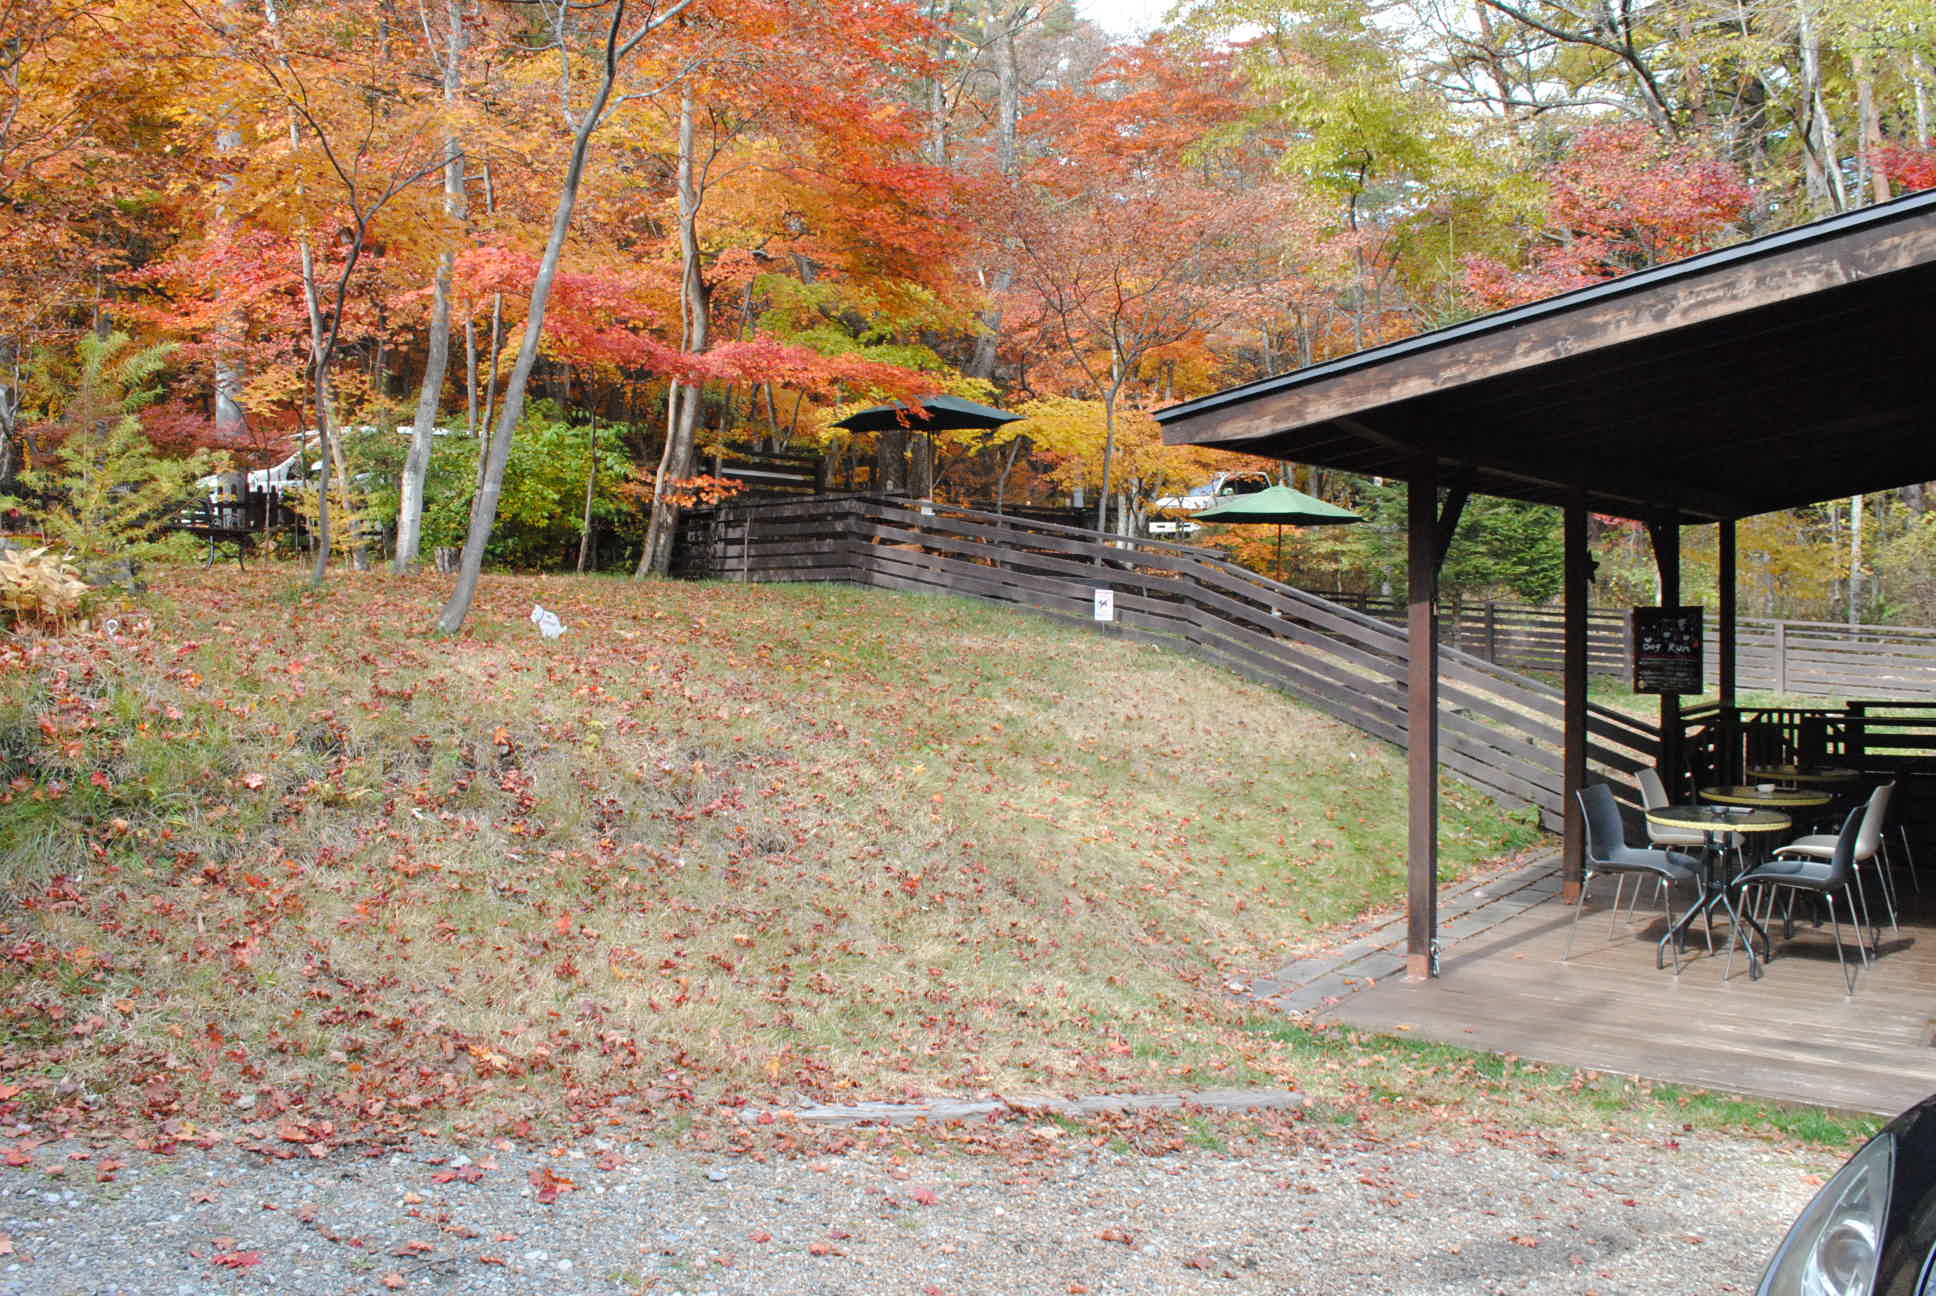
(1667,650)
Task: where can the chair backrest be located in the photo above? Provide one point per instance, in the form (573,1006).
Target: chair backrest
(1605,835)
(1841,865)
(1653,792)
(1874,817)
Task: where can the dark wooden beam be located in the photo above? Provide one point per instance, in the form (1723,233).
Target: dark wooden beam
(1579,583)
(1725,578)
(1666,535)
(1422,720)
(1448,523)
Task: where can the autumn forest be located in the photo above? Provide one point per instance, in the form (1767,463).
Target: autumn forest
(503,273)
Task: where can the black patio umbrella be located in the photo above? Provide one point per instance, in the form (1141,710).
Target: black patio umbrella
(1281,505)
(941,412)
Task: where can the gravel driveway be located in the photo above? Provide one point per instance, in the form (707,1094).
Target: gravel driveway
(1327,1209)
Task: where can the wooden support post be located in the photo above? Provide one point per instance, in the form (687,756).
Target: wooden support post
(1579,583)
(1666,535)
(1422,721)
(1728,770)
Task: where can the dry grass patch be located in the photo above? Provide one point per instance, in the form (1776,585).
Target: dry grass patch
(717,842)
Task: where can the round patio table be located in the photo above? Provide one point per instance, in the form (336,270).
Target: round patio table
(1717,821)
(1774,799)
(1824,775)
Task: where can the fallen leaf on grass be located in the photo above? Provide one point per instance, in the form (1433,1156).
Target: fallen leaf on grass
(925,1197)
(6,1244)
(1118,1235)
(393,1280)
(759,1235)
(822,1249)
(237,1259)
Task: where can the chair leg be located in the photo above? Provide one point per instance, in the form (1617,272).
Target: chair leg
(1613,915)
(1886,867)
(1734,935)
(1848,977)
(1579,906)
(1908,859)
(1862,893)
(1667,903)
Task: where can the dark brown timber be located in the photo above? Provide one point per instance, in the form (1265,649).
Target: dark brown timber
(1422,721)
(1579,584)
(1666,535)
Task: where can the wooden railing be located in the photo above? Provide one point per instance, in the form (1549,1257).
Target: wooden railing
(1499,731)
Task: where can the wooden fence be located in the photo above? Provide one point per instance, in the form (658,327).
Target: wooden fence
(1826,659)
(1798,658)
(1499,731)
(1521,637)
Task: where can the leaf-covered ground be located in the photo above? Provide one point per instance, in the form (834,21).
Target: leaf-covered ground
(291,855)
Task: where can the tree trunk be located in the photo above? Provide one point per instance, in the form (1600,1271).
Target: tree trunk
(890,462)
(1918,75)
(9,413)
(1008,466)
(1108,440)
(231,420)
(1008,102)
(591,491)
(416,466)
(1815,111)
(676,463)
(1855,559)
(490,389)
(484,510)
(1871,126)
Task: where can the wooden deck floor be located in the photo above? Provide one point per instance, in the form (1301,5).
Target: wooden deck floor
(1794,1035)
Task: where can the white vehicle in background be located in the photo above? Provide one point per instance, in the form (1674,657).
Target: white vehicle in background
(1173,527)
(1222,486)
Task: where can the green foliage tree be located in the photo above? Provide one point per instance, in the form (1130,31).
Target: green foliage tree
(1502,547)
(106,494)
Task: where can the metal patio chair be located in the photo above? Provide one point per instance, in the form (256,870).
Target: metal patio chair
(1607,852)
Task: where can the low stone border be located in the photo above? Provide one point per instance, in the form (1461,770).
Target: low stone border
(941,1110)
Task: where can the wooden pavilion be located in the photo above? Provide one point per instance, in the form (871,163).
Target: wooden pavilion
(1779,372)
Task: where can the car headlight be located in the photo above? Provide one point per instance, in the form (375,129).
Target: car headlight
(1836,1242)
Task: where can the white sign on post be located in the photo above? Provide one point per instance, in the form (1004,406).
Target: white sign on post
(1105,605)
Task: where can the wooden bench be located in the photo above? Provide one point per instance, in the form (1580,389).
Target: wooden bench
(234,516)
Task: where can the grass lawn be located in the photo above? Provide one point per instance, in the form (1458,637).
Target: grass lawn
(717,840)
(271,852)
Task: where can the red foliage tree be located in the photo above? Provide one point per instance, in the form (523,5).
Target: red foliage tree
(1620,200)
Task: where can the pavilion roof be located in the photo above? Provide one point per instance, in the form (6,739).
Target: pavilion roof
(1784,370)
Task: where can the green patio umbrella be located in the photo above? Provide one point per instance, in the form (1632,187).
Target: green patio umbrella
(938,413)
(1280,505)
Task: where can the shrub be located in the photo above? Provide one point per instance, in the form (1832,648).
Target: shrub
(107,494)
(38,587)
